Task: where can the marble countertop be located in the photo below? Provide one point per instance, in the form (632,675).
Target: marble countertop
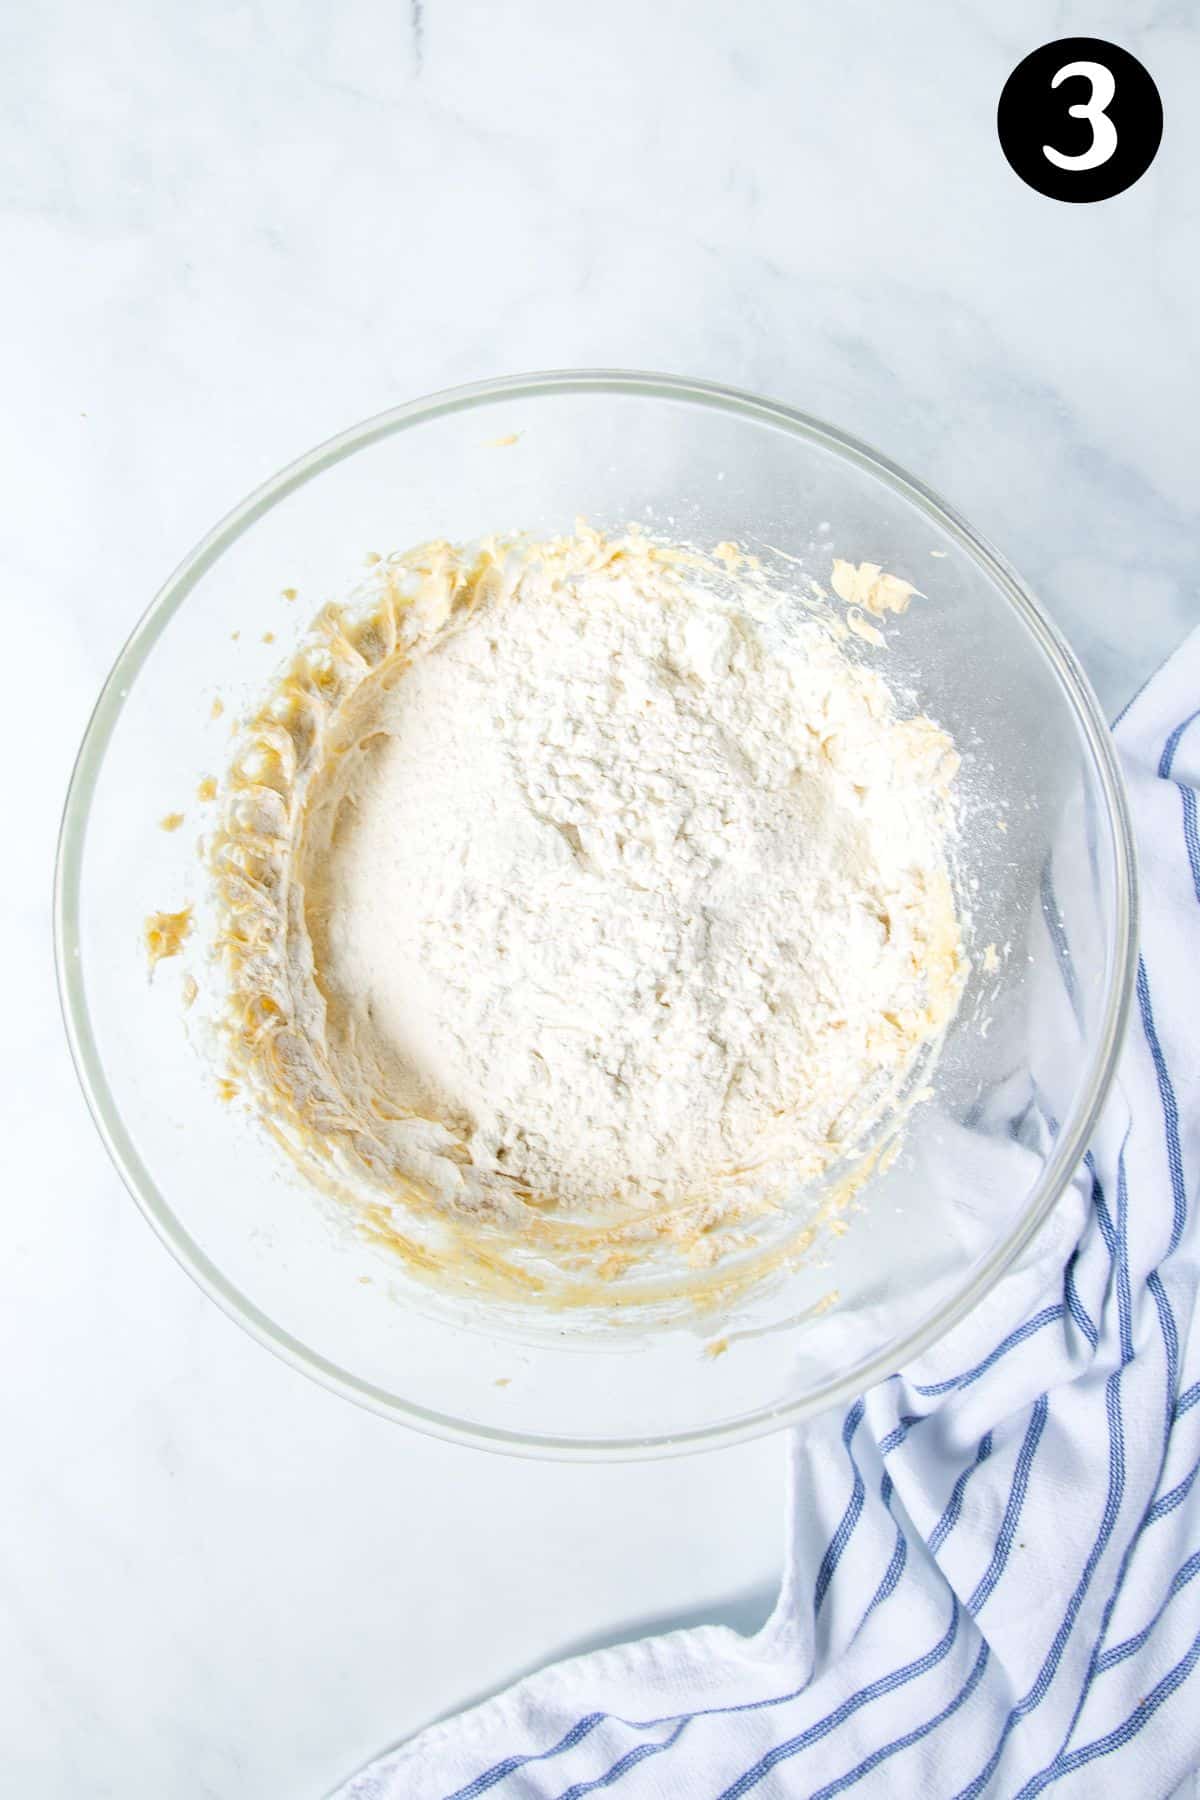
(230,230)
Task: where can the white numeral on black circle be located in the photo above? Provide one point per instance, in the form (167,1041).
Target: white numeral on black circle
(1104,132)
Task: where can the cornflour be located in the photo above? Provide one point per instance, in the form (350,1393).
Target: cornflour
(605,882)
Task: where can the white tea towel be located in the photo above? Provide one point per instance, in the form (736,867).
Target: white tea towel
(992,1557)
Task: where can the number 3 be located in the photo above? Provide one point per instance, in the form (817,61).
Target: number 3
(1104,132)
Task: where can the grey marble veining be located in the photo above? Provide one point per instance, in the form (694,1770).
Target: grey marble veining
(228,231)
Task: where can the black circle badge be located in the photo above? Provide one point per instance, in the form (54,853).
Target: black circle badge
(1080,119)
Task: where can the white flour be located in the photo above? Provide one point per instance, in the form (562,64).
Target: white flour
(618,895)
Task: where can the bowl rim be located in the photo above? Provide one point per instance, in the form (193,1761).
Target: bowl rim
(1072,1139)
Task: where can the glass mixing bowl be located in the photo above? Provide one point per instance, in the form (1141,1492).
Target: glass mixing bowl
(1048,873)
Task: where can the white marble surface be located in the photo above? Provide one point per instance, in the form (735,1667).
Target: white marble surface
(230,229)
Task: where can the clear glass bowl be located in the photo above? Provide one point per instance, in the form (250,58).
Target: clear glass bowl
(1024,1070)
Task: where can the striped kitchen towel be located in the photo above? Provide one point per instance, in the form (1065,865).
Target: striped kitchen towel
(991,1583)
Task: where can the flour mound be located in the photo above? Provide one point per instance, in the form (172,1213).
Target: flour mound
(631,887)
